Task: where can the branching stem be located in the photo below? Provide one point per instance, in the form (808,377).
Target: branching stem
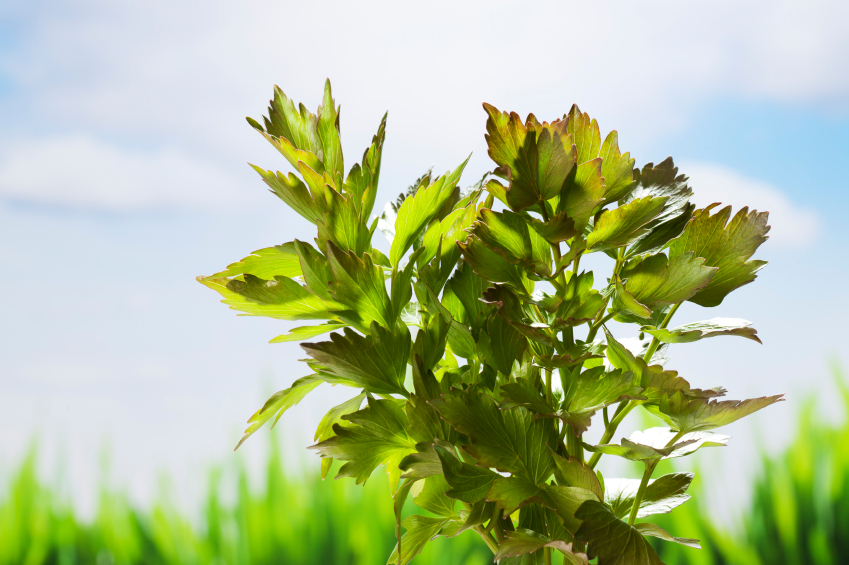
(641,492)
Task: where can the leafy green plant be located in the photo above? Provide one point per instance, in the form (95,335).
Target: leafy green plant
(479,350)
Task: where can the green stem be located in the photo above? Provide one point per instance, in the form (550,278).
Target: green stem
(620,260)
(642,490)
(573,443)
(546,556)
(549,393)
(487,538)
(655,343)
(623,411)
(596,325)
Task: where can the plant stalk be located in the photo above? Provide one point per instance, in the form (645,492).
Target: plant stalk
(655,343)
(621,412)
(487,538)
(641,492)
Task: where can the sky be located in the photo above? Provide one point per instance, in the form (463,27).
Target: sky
(123,175)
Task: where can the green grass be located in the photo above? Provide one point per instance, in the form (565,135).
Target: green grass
(798,514)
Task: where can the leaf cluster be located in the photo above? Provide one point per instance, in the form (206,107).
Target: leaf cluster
(478,351)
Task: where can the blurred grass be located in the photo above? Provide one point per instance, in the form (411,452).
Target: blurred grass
(799,510)
(284,521)
(798,514)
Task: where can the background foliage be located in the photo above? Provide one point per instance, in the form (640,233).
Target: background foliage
(798,514)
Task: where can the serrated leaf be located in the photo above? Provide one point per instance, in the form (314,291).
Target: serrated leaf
(377,436)
(632,450)
(657,282)
(658,532)
(328,133)
(703,330)
(291,190)
(377,363)
(578,353)
(280,260)
(419,210)
(660,234)
(623,225)
(580,301)
(468,288)
(626,306)
(559,227)
(315,269)
(420,530)
(506,344)
(334,416)
(480,512)
(362,179)
(281,298)
(575,473)
(582,192)
(511,493)
(278,403)
(616,167)
(700,414)
(725,247)
(468,483)
(589,391)
(660,497)
(566,501)
(661,181)
(612,540)
(359,284)
(493,266)
(507,233)
(523,392)
(536,158)
(340,223)
(511,441)
(432,497)
(523,540)
(653,444)
(654,380)
(306,332)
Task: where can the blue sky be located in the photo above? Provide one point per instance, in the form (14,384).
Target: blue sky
(123,176)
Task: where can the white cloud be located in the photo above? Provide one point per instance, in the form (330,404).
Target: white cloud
(82,172)
(176,76)
(793,226)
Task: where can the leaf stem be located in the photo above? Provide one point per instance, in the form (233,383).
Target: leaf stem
(487,538)
(655,342)
(549,393)
(620,260)
(621,412)
(596,325)
(641,492)
(546,556)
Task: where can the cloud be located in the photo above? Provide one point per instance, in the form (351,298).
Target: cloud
(171,75)
(793,226)
(80,171)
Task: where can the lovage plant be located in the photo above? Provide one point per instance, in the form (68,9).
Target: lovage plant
(478,351)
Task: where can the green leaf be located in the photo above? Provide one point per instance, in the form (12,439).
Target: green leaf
(654,444)
(377,363)
(376,437)
(328,133)
(700,414)
(534,158)
(418,210)
(523,392)
(294,132)
(582,192)
(510,441)
(432,497)
(306,332)
(725,247)
(589,391)
(281,298)
(612,540)
(616,167)
(341,224)
(420,530)
(623,225)
(280,260)
(657,283)
(654,380)
(468,483)
(575,473)
(566,501)
(558,228)
(506,344)
(660,497)
(661,181)
(362,180)
(625,305)
(291,190)
(581,302)
(660,234)
(334,417)
(431,340)
(523,540)
(507,233)
(468,288)
(703,330)
(315,268)
(480,512)
(511,493)
(658,532)
(493,266)
(359,284)
(279,403)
